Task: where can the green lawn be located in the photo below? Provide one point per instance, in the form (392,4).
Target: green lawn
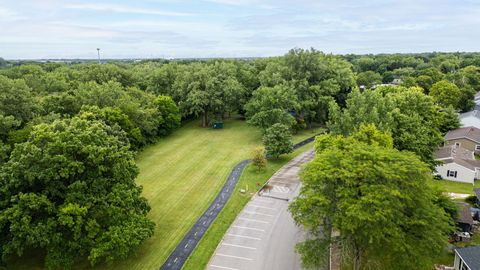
(451,186)
(250,178)
(181,175)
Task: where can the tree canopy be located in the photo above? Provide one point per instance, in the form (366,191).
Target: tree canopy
(376,198)
(69,190)
(278,140)
(409,115)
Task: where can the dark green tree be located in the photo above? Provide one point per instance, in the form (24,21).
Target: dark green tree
(170,114)
(271,105)
(70,191)
(450,120)
(16,99)
(277,140)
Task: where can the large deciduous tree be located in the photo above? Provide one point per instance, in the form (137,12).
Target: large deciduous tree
(70,191)
(170,114)
(377,199)
(278,140)
(16,99)
(445,94)
(314,78)
(207,90)
(412,118)
(271,105)
(368,78)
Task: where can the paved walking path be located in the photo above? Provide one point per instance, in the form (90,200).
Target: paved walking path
(264,235)
(179,256)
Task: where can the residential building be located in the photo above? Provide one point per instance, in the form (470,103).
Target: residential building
(459,164)
(467,137)
(467,258)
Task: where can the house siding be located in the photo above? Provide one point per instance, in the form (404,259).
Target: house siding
(464,175)
(464,143)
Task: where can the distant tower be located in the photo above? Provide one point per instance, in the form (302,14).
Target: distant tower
(98,52)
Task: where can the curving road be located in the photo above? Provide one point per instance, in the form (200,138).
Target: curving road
(177,259)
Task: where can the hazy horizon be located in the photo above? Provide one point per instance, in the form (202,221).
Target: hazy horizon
(55,29)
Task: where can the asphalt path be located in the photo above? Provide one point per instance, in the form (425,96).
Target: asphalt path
(177,259)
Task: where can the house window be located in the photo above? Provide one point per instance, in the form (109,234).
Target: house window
(457,144)
(477,147)
(452,174)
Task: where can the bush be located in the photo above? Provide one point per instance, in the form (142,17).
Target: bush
(259,160)
(472,199)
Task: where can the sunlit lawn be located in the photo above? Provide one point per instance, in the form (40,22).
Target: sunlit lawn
(180,175)
(456,187)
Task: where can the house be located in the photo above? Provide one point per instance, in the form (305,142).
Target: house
(458,164)
(470,119)
(467,258)
(465,219)
(466,137)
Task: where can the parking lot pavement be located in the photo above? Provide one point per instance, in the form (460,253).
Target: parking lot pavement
(264,234)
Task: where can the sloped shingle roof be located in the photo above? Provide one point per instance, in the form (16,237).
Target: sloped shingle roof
(454,154)
(470,255)
(471,133)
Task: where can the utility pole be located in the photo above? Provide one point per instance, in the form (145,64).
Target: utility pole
(98,52)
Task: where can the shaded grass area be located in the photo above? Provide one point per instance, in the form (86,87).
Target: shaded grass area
(456,187)
(180,175)
(250,180)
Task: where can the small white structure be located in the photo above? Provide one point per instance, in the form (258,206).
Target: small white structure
(470,119)
(459,164)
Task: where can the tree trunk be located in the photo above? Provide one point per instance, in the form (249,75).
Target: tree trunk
(205,119)
(357,260)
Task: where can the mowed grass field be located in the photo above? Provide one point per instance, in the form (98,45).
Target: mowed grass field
(180,175)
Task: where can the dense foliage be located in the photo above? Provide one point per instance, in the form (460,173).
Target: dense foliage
(422,70)
(412,117)
(414,98)
(70,190)
(278,140)
(376,199)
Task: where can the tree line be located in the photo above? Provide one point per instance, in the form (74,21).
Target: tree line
(68,132)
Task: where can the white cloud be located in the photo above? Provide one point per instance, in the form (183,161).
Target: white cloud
(125,9)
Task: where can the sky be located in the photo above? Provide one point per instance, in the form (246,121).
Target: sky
(36,29)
